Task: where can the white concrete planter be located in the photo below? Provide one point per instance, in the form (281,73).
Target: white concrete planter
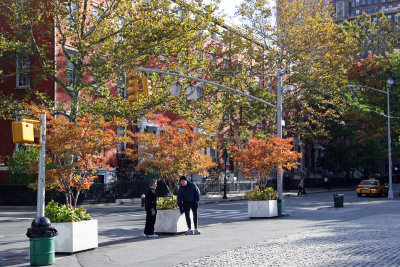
(171,222)
(262,208)
(76,236)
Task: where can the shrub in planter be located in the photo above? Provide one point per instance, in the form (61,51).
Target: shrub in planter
(167,203)
(58,213)
(261,194)
(77,231)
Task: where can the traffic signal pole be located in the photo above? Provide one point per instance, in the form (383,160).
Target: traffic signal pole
(278,107)
(42,169)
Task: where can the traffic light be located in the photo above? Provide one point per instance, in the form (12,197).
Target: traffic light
(133,90)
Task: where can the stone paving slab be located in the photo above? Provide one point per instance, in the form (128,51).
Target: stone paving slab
(371,241)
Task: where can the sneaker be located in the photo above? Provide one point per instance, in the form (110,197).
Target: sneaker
(189,232)
(145,236)
(152,236)
(196,232)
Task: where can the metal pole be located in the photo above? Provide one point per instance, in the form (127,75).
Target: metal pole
(207,82)
(390,193)
(279,126)
(225,197)
(41,176)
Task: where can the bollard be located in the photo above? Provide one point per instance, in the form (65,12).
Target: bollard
(143,197)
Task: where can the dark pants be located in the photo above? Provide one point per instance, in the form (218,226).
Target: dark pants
(187,206)
(150,221)
(301,191)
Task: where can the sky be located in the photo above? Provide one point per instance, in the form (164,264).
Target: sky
(229,8)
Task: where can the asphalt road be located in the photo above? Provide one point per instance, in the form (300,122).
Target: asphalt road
(123,225)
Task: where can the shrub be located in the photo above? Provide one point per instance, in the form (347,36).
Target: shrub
(167,203)
(267,194)
(60,213)
(19,164)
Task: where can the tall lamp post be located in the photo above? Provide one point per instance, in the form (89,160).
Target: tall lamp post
(225,156)
(389,83)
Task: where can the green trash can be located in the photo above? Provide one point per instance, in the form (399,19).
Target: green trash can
(279,207)
(338,200)
(41,240)
(42,251)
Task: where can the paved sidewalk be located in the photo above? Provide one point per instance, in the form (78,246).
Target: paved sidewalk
(371,241)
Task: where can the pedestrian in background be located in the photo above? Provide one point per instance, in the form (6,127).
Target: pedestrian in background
(188,199)
(326,183)
(301,187)
(150,204)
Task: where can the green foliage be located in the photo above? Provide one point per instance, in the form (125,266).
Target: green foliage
(257,194)
(167,203)
(60,213)
(19,164)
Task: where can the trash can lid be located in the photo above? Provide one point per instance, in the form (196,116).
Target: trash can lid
(40,222)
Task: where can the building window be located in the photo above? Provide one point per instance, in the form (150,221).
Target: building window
(121,23)
(389,17)
(121,84)
(213,62)
(71,14)
(396,17)
(340,9)
(363,2)
(357,2)
(71,68)
(357,12)
(376,1)
(369,2)
(23,69)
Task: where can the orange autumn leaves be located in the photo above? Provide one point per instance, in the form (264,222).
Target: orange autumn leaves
(259,157)
(176,151)
(75,152)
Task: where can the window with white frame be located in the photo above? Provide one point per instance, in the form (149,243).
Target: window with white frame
(120,23)
(71,68)
(96,11)
(213,61)
(72,12)
(121,84)
(23,68)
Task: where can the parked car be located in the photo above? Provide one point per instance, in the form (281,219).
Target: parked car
(371,187)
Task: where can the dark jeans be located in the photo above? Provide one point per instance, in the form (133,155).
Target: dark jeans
(150,221)
(301,191)
(187,206)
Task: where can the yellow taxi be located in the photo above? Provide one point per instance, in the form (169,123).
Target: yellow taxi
(371,187)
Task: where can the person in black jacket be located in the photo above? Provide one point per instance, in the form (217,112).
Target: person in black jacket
(188,199)
(151,210)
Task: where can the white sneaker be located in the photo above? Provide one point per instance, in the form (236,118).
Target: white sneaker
(153,236)
(189,232)
(145,236)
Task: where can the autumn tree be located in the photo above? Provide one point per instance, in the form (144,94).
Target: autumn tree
(177,150)
(74,152)
(100,43)
(364,135)
(259,156)
(302,39)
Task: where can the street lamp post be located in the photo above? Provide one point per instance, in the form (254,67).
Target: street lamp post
(226,163)
(389,83)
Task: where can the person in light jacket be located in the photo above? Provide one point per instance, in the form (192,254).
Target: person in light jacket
(188,199)
(150,205)
(301,187)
